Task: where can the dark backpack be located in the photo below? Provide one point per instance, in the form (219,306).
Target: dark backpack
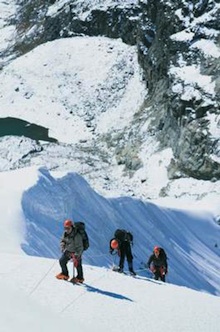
(163,254)
(80,226)
(123,235)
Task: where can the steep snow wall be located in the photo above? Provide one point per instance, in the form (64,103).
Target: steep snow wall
(190,239)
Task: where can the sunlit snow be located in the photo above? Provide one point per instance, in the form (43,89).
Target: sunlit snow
(72,92)
(70,88)
(38,301)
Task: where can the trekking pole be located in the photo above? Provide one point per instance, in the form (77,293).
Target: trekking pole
(135,256)
(114,259)
(74,264)
(74,274)
(43,277)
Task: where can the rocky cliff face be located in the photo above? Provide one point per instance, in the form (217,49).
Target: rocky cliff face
(182,107)
(178,49)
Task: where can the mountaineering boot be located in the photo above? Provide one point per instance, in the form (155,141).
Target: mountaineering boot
(117,269)
(132,273)
(76,280)
(62,276)
(130,267)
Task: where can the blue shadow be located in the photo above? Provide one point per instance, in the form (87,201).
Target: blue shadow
(106,293)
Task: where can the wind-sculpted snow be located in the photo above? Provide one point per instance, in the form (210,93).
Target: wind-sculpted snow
(190,239)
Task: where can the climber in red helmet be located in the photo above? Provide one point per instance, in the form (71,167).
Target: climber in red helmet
(157,263)
(71,245)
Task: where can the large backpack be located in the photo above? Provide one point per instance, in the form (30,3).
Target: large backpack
(80,226)
(163,254)
(123,235)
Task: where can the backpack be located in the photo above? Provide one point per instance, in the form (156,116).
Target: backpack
(163,254)
(80,226)
(123,235)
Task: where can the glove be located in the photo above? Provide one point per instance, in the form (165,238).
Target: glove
(163,271)
(75,259)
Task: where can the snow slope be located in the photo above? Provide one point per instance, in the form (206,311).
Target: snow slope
(107,301)
(88,91)
(68,87)
(191,238)
(33,203)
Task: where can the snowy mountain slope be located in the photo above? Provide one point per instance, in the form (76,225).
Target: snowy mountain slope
(12,226)
(93,87)
(8,30)
(33,222)
(191,238)
(85,86)
(76,87)
(105,301)
(36,300)
(71,89)
(19,312)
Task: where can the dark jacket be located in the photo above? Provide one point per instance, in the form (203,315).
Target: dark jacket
(159,261)
(72,242)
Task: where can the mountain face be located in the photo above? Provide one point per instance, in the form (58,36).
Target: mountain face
(178,49)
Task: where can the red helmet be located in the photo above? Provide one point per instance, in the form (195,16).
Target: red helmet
(114,244)
(156,248)
(67,223)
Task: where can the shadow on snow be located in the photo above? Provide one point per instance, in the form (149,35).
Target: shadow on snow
(106,293)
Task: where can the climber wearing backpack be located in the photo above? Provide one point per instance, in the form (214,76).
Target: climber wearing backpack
(157,263)
(122,242)
(72,246)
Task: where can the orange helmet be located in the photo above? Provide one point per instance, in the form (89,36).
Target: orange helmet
(114,244)
(67,223)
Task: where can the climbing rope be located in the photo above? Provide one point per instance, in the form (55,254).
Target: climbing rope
(41,280)
(80,295)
